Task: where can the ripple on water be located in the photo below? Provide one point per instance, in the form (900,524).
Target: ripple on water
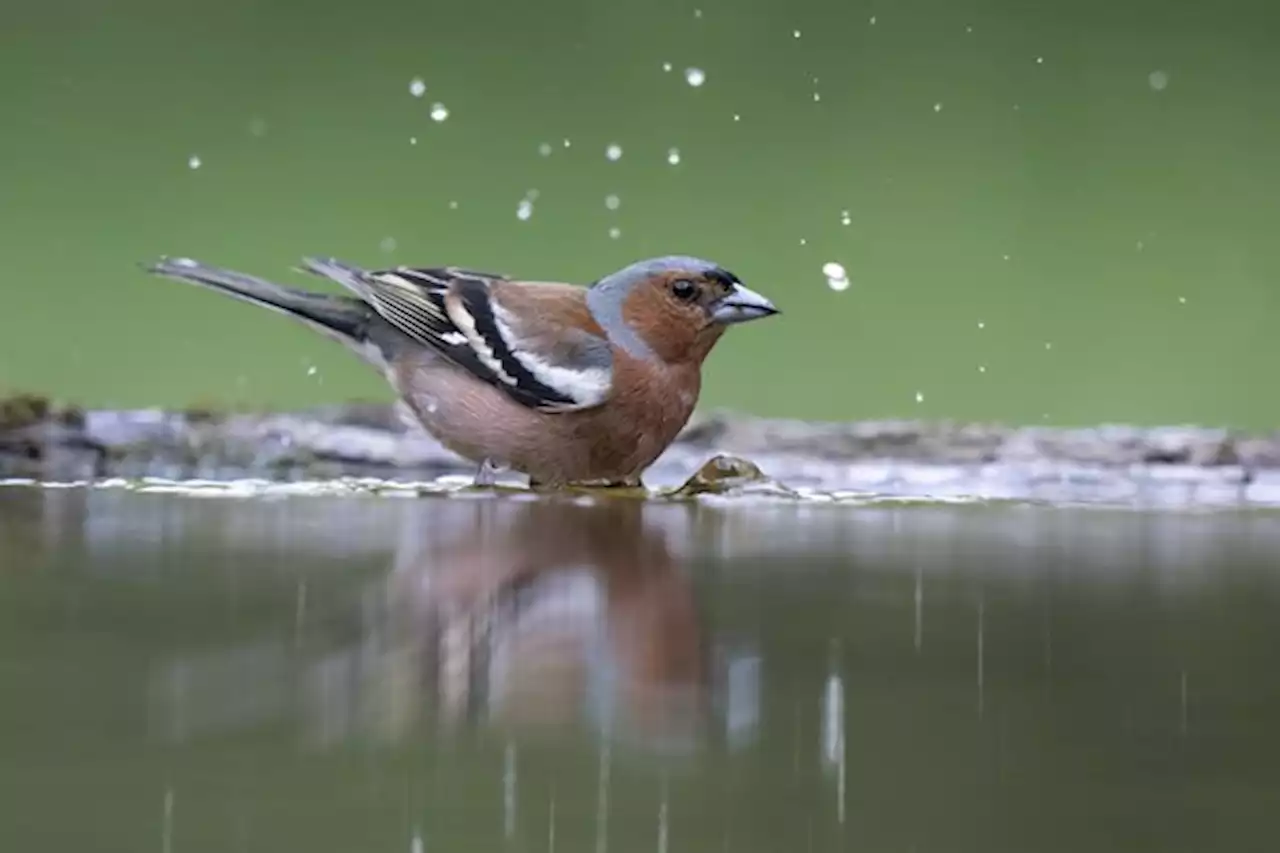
(461,487)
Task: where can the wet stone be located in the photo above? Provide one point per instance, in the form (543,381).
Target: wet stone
(1174,465)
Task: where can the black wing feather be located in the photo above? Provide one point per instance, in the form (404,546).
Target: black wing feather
(413,300)
(526,388)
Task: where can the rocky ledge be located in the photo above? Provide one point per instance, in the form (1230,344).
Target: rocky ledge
(1122,464)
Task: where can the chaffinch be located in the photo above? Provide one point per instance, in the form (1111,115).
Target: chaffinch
(562,383)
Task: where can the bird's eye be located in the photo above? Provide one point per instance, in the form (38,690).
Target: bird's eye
(683,289)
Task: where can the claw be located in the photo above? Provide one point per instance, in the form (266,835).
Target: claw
(487,474)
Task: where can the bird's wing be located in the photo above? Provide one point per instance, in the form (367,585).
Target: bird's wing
(527,339)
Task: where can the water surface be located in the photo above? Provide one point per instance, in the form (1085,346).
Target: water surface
(324,673)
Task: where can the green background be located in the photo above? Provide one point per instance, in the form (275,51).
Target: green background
(1115,239)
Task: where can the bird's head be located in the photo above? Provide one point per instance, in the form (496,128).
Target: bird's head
(673,308)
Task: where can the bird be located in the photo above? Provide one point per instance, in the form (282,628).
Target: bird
(565,384)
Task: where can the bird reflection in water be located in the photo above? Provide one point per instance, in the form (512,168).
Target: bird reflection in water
(556,613)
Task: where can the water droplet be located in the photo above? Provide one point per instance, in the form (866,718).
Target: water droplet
(545,149)
(1016,108)
(804,242)
(837,278)
(737,117)
(919,396)
(532,195)
(982,368)
(257,127)
(614,151)
(697,13)
(567,143)
(845,218)
(413,140)
(1157,80)
(673,156)
(453,205)
(439,112)
(1182,300)
(388,244)
(873,20)
(1005,257)
(968,29)
(312,370)
(981,325)
(1048,344)
(817,97)
(695,77)
(615,232)
(1039,60)
(666,66)
(612,202)
(937,108)
(194,162)
(417,87)
(795,34)
(524,209)
(433,405)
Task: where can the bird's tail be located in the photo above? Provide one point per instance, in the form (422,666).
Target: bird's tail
(339,318)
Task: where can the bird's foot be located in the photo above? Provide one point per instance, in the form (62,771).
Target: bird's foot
(487,473)
(626,487)
(629,483)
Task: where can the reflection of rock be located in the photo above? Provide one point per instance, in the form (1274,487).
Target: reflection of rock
(1181,464)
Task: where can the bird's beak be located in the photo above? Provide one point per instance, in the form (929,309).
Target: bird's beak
(740,306)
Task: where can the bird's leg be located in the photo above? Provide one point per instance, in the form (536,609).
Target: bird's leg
(487,473)
(628,483)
